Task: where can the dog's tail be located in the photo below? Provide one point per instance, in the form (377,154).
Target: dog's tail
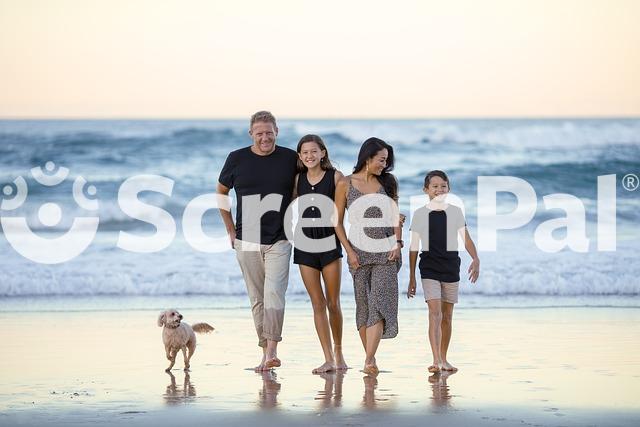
(202,328)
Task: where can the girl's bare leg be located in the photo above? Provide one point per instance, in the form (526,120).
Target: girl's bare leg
(311,279)
(331,274)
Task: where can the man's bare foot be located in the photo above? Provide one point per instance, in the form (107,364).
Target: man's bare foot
(341,365)
(272,362)
(446,366)
(260,367)
(325,367)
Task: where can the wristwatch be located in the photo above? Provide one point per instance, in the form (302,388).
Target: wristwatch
(401,243)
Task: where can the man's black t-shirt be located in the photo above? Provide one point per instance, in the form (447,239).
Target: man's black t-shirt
(251,174)
(438,230)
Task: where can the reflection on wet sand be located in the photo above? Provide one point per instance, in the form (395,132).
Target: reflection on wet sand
(331,396)
(370,385)
(441,391)
(268,396)
(375,397)
(175,395)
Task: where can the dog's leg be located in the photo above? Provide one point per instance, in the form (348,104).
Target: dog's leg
(186,359)
(172,358)
(191,345)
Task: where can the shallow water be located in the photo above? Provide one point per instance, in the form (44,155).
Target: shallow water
(554,359)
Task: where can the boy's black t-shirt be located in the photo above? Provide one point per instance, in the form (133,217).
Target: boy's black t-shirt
(439,258)
(251,174)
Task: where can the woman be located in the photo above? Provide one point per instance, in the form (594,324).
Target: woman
(375,272)
(318,176)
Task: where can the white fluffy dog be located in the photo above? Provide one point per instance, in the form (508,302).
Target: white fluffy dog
(177,335)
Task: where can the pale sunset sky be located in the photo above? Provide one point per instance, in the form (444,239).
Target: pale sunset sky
(322,59)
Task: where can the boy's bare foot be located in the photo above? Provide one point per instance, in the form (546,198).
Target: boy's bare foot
(325,367)
(446,366)
(341,365)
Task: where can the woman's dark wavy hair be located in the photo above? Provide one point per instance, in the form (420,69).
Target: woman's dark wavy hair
(325,163)
(369,149)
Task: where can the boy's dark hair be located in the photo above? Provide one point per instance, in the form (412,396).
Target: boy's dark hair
(438,173)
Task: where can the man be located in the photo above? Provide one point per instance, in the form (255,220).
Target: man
(258,236)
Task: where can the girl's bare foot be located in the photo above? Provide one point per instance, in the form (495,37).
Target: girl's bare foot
(341,365)
(325,367)
(434,368)
(446,366)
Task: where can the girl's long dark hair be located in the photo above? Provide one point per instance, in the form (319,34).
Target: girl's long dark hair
(369,149)
(325,163)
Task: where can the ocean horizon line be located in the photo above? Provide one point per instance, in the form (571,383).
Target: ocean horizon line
(321,118)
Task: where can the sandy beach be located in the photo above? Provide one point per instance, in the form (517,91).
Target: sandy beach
(100,361)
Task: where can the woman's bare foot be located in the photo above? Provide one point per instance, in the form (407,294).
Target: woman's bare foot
(371,370)
(434,368)
(325,367)
(370,367)
(341,365)
(446,366)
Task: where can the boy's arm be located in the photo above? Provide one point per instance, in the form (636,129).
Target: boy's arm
(411,291)
(413,258)
(474,268)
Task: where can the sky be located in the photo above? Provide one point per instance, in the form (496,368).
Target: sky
(319,59)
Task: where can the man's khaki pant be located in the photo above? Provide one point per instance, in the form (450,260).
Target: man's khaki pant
(265,269)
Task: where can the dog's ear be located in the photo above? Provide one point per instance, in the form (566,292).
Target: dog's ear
(161,319)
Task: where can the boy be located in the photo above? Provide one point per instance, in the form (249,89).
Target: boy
(437,225)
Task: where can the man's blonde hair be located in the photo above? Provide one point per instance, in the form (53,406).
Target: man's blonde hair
(263,116)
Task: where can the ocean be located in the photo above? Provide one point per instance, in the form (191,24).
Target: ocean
(553,156)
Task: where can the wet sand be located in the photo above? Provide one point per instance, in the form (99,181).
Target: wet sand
(73,363)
